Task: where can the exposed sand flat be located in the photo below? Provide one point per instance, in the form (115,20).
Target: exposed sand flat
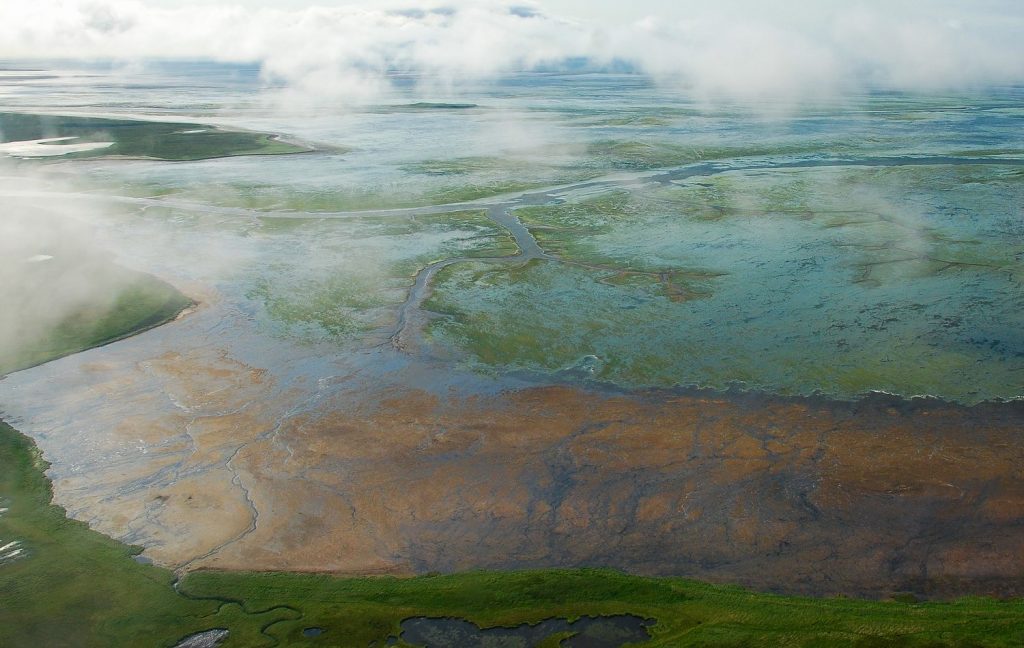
(49,147)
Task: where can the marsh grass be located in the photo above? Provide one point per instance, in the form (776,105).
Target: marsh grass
(140,302)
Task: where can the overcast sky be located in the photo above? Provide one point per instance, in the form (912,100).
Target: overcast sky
(746,49)
(611,13)
(604,12)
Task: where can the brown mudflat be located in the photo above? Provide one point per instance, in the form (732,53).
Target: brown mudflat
(789,495)
(213,463)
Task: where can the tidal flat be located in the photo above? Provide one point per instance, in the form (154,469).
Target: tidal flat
(72,586)
(523,356)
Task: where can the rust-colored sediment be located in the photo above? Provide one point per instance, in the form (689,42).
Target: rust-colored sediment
(771,494)
(795,496)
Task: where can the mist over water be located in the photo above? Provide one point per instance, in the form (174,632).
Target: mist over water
(51,266)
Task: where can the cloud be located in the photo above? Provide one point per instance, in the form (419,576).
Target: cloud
(50,265)
(746,50)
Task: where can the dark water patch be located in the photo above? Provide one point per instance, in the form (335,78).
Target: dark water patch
(312,632)
(587,632)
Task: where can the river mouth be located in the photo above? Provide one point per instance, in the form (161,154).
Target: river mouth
(584,632)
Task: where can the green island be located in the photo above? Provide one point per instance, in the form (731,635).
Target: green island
(137,138)
(143,302)
(70,296)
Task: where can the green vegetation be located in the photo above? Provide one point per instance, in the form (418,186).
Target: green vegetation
(434,181)
(470,192)
(642,156)
(487,176)
(335,305)
(364,611)
(577,231)
(148,139)
(648,155)
(75,587)
(533,169)
(142,302)
(266,197)
(74,300)
(63,294)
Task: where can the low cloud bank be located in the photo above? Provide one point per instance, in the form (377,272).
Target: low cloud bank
(738,50)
